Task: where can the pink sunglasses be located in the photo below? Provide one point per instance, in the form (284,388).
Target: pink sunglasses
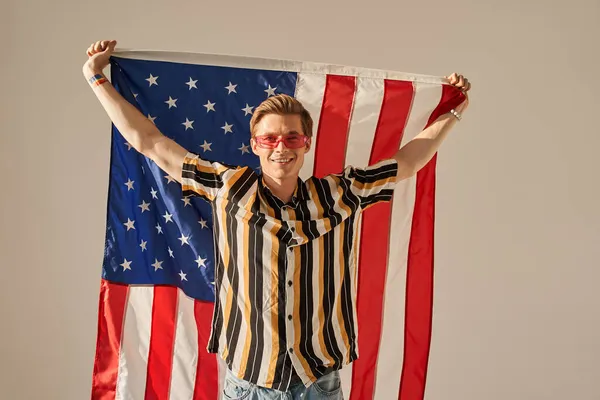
(293,141)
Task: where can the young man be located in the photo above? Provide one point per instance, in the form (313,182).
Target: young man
(285,319)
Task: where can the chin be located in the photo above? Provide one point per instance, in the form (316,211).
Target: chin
(281,173)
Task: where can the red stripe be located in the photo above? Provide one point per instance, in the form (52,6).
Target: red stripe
(332,134)
(162,339)
(376,220)
(111,310)
(207,373)
(419,279)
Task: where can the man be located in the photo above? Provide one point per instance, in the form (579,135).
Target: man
(285,318)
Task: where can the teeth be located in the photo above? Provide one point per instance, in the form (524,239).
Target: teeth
(282,160)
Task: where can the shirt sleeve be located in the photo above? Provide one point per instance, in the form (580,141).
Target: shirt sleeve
(203,178)
(375,183)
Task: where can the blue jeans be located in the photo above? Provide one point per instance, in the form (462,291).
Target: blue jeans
(326,387)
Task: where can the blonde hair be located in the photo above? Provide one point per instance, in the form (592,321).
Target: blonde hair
(282,104)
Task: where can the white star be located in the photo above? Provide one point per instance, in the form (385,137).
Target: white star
(126,264)
(154,196)
(129,224)
(171,102)
(247,110)
(244,148)
(188,124)
(171,253)
(209,106)
(191,83)
(159,228)
(135,95)
(129,184)
(144,206)
(169,179)
(231,88)
(128,146)
(182,275)
(151,118)
(203,223)
(186,201)
(201,261)
(152,80)
(184,239)
(143,245)
(168,217)
(227,127)
(271,91)
(157,265)
(206,146)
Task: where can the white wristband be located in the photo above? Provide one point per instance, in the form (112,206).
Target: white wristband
(456,114)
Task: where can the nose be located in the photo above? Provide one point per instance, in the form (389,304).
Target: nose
(280,146)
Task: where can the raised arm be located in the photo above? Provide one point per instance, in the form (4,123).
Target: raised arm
(415,154)
(138,130)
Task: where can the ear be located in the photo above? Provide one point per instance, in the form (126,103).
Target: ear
(308,144)
(253,145)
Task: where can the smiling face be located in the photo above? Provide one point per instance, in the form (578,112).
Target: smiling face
(281,163)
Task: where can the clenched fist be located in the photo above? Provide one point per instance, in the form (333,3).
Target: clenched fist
(99,54)
(462,83)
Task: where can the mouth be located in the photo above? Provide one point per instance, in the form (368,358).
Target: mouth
(282,160)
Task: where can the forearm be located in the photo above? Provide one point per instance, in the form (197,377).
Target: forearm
(420,150)
(137,130)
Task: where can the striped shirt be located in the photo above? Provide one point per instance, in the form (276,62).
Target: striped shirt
(285,274)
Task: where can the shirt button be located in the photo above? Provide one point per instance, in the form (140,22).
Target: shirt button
(290,317)
(291,350)
(289,283)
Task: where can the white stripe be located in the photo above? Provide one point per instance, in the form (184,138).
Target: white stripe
(185,350)
(222,291)
(391,354)
(317,305)
(273,64)
(338,278)
(240,271)
(269,283)
(135,344)
(363,126)
(310,90)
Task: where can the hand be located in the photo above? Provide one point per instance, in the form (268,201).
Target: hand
(99,54)
(462,83)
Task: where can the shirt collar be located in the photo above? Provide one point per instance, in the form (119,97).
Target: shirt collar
(299,194)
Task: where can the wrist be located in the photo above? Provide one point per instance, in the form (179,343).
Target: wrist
(89,71)
(94,77)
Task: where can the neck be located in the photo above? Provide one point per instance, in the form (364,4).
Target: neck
(282,188)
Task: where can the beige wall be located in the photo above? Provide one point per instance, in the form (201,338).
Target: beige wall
(517,309)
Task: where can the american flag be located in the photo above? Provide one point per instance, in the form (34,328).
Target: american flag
(157,289)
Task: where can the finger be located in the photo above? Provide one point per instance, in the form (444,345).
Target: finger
(105,45)
(453,78)
(97,47)
(461,81)
(468,86)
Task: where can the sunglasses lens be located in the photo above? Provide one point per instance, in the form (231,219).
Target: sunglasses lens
(293,141)
(290,141)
